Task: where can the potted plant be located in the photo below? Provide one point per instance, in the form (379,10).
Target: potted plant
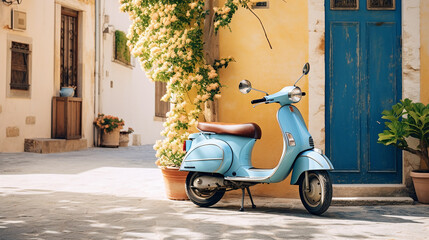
(124,137)
(109,127)
(407,120)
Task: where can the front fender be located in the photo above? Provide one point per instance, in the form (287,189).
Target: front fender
(307,161)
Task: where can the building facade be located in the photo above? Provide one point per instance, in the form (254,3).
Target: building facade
(365,56)
(55,48)
(69,43)
(124,88)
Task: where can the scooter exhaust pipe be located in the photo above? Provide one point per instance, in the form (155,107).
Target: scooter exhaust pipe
(209,182)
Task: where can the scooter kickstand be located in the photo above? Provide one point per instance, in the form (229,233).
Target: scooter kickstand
(250,195)
(242,201)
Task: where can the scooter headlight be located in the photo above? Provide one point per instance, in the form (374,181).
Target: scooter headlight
(295,95)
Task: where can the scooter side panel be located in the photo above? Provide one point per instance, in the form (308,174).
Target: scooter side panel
(307,161)
(211,155)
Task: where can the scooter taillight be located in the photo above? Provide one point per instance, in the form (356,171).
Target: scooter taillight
(187,145)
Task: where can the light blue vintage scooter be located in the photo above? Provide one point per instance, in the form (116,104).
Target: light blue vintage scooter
(219,156)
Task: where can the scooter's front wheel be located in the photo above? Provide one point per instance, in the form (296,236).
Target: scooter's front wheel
(202,198)
(317,197)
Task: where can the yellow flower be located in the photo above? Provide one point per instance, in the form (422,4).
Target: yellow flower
(193,5)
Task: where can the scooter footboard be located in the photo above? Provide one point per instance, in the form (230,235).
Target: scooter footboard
(307,161)
(214,156)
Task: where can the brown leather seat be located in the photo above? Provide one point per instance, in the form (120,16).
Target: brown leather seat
(251,130)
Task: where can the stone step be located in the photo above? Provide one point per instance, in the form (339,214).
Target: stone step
(369,190)
(48,145)
(371,201)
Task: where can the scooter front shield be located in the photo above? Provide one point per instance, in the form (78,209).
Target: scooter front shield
(211,156)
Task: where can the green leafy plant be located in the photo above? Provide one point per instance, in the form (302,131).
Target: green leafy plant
(407,119)
(108,123)
(122,53)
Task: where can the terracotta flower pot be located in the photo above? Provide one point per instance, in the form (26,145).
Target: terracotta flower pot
(110,139)
(174,181)
(421,184)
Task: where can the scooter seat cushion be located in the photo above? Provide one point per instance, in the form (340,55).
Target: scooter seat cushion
(251,130)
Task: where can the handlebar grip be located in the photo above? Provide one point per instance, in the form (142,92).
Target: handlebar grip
(303,94)
(258,100)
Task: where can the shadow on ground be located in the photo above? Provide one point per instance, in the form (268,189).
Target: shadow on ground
(119,194)
(32,214)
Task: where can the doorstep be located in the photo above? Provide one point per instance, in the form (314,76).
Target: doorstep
(370,194)
(48,145)
(371,201)
(370,190)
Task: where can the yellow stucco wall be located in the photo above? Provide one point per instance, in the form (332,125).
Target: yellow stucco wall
(424,51)
(267,69)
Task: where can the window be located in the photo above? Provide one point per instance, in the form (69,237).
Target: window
(161,107)
(19,66)
(381,4)
(69,48)
(122,52)
(344,4)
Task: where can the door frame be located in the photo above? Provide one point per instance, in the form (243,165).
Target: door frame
(410,68)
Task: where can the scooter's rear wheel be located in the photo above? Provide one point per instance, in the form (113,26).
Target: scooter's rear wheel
(317,198)
(202,198)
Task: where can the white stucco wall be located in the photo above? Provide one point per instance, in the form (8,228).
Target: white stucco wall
(131,95)
(15,110)
(41,24)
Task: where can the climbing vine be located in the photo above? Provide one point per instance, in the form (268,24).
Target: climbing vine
(166,36)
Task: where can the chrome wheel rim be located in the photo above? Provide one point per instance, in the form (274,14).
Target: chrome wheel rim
(313,197)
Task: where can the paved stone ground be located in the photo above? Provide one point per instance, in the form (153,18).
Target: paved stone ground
(104,193)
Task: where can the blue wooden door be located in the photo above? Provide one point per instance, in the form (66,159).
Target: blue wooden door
(363,77)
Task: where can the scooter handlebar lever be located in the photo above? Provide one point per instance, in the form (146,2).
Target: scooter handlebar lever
(258,100)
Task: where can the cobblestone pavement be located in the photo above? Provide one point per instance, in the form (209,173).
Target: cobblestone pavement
(104,193)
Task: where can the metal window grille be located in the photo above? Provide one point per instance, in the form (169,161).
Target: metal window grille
(19,66)
(381,4)
(344,4)
(69,48)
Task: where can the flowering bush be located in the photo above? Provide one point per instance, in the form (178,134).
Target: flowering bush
(166,36)
(108,123)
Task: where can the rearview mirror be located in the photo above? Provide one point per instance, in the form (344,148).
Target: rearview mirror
(306,69)
(245,86)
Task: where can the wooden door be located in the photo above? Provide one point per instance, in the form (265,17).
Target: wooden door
(363,77)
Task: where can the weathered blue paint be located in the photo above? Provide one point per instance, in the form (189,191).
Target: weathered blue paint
(307,161)
(363,77)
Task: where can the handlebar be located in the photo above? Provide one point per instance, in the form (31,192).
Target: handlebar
(265,100)
(258,100)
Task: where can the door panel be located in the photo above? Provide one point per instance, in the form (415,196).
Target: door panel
(382,58)
(363,66)
(343,100)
